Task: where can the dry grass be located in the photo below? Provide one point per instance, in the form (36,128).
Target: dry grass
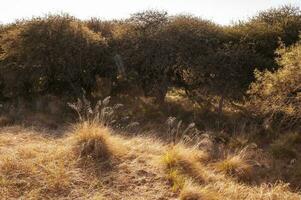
(36,167)
(90,162)
(184,169)
(192,191)
(180,161)
(93,140)
(236,166)
(228,189)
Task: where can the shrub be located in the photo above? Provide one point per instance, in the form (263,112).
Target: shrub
(276,95)
(263,31)
(5,121)
(190,47)
(281,150)
(151,50)
(56,54)
(138,42)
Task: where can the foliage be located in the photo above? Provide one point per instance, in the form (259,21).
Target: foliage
(263,32)
(140,47)
(150,51)
(61,54)
(276,95)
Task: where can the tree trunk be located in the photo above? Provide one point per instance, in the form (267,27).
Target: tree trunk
(220,105)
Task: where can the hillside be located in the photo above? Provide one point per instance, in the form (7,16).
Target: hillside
(152,106)
(89,161)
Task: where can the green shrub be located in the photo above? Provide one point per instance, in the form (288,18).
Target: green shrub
(277,95)
(61,54)
(150,50)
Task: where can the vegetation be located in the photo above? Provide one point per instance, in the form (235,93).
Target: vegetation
(277,95)
(60,53)
(151,107)
(36,164)
(150,50)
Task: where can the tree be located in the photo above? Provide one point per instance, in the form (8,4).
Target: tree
(60,51)
(138,42)
(264,31)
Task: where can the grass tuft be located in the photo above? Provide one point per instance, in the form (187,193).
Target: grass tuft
(181,163)
(192,191)
(92,140)
(236,166)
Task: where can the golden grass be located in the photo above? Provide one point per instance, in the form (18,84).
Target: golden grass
(184,169)
(236,166)
(40,169)
(34,165)
(191,191)
(180,161)
(231,190)
(92,140)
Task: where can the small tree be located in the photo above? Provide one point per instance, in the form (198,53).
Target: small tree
(263,32)
(139,44)
(277,95)
(64,54)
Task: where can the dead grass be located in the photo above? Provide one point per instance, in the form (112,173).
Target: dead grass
(180,161)
(35,165)
(191,191)
(236,165)
(221,180)
(90,162)
(37,169)
(92,140)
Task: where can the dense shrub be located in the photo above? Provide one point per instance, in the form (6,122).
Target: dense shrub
(278,95)
(264,31)
(227,75)
(159,52)
(150,51)
(191,44)
(61,54)
(138,42)
(105,28)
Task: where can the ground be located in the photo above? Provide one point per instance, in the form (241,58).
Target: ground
(89,161)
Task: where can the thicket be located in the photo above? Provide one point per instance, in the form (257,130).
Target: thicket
(277,96)
(151,51)
(56,54)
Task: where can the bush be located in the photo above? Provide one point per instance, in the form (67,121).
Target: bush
(286,146)
(277,95)
(263,32)
(55,54)
(138,42)
(150,51)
